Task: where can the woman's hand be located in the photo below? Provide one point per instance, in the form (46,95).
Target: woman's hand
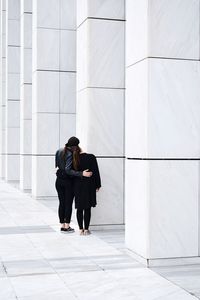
(87,173)
(97,190)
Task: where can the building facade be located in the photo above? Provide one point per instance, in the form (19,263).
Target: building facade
(124,77)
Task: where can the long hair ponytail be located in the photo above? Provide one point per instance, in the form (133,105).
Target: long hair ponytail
(76,157)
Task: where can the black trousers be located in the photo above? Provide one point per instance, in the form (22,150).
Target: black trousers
(65,192)
(83,215)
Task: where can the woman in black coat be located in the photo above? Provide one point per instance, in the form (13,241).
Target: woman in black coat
(85,188)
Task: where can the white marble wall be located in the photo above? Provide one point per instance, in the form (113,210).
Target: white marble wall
(54,86)
(26,96)
(162,127)
(100,99)
(3,87)
(12,90)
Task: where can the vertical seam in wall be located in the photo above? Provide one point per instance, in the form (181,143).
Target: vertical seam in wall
(59,69)
(198,216)
(124,114)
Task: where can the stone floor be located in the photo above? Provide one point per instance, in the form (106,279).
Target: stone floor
(37,262)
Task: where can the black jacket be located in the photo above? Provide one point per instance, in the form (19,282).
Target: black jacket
(64,165)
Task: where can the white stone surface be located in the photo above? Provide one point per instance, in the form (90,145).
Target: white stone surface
(167,128)
(12,167)
(100,124)
(67,92)
(13,60)
(67,127)
(110,9)
(25,172)
(156,28)
(174,28)
(13,9)
(43,167)
(46,85)
(110,196)
(47,49)
(45,125)
(13,113)
(68,14)
(26,137)
(68,50)
(136,30)
(100,56)
(155,197)
(27,30)
(48,265)
(48,14)
(27,66)
(13,32)
(14,81)
(27,98)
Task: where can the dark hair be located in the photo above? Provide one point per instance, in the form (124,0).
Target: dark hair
(75,155)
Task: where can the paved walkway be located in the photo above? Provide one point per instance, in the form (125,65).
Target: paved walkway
(37,262)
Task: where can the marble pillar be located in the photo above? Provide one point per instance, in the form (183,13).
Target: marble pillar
(3,88)
(12,104)
(100,100)
(26,96)
(162,128)
(54,85)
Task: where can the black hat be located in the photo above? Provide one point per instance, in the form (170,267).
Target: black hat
(73,141)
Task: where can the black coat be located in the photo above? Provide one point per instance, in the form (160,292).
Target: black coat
(85,187)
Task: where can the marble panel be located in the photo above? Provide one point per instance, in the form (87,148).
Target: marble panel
(136,207)
(27,100)
(13,33)
(172,126)
(174,28)
(47,49)
(27,6)
(46,85)
(100,121)
(68,14)
(27,31)
(14,82)
(12,140)
(68,50)
(12,167)
(43,167)
(110,198)
(67,92)
(27,67)
(13,8)
(136,120)
(82,56)
(156,29)
(174,122)
(26,138)
(13,113)
(43,125)
(25,172)
(110,9)
(162,205)
(105,54)
(67,127)
(48,13)
(13,60)
(174,194)
(136,30)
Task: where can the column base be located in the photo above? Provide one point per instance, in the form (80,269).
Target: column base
(164,262)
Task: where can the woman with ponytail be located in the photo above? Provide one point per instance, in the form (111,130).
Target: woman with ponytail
(64,182)
(85,188)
